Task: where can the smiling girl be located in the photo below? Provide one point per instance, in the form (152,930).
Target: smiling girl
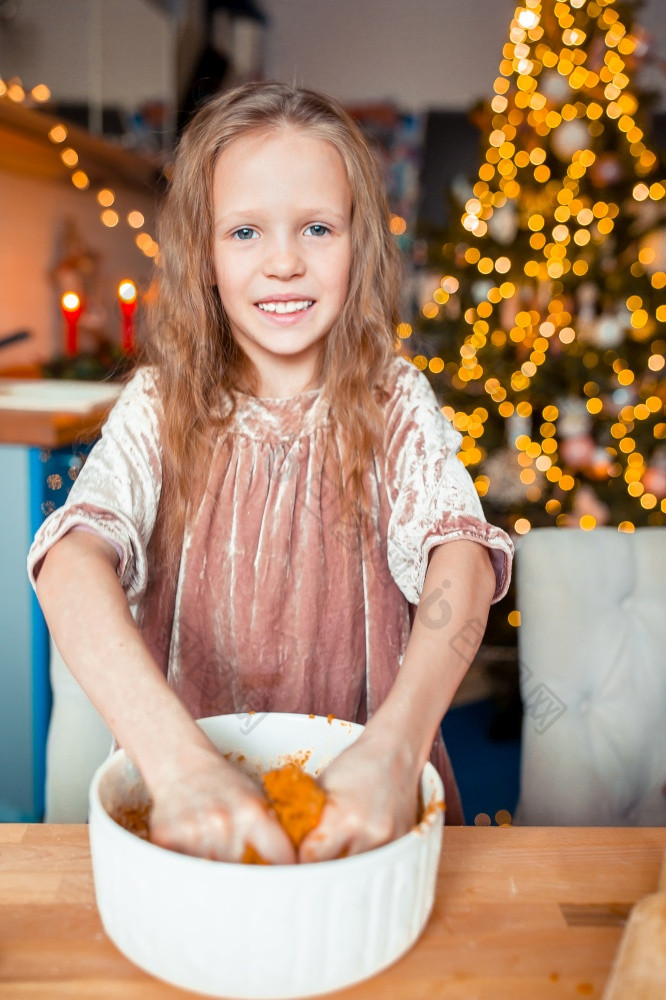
(276,496)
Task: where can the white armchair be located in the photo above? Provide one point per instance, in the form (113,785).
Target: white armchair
(592,650)
(78,742)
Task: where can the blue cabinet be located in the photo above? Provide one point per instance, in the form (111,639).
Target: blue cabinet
(34,482)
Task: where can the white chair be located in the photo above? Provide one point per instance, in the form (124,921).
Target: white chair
(78,742)
(592,650)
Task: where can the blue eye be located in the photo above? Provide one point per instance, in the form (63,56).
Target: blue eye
(246,233)
(317,230)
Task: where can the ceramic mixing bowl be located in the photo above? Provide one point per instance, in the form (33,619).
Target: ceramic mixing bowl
(255,931)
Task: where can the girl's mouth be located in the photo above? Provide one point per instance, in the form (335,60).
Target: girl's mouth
(282,308)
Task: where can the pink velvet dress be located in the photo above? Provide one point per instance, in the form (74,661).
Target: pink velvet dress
(279,605)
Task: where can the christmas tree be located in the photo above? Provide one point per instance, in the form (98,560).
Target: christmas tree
(544,332)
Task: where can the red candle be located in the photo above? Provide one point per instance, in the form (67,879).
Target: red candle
(127,300)
(71,306)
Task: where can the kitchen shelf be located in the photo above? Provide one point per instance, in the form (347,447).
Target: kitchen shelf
(25,148)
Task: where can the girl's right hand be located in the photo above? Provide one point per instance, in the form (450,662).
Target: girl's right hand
(208,808)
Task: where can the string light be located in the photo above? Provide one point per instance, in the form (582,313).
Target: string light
(14,91)
(80,180)
(548,84)
(106,197)
(110,218)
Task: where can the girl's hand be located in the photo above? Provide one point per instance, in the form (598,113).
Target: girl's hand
(209,808)
(372,791)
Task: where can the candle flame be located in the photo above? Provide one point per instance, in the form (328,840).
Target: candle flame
(70,302)
(127,291)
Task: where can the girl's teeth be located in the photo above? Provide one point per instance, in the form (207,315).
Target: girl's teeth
(284,307)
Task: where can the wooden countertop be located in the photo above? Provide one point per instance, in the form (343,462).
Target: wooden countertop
(53,413)
(42,429)
(520,914)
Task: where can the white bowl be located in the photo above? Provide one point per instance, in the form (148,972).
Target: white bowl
(263,932)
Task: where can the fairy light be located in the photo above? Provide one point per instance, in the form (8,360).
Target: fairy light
(59,133)
(13,90)
(106,197)
(80,180)
(566,227)
(40,93)
(69,157)
(109,218)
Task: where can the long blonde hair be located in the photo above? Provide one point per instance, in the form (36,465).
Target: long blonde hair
(189,340)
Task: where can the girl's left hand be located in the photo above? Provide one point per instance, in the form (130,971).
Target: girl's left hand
(372,792)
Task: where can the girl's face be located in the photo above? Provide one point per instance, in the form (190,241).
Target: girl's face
(282,250)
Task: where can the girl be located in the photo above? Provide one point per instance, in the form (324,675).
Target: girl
(273,494)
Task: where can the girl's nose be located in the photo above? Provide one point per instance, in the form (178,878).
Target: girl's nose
(284,260)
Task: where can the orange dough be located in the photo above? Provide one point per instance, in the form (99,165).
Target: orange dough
(251,856)
(297,799)
(134,819)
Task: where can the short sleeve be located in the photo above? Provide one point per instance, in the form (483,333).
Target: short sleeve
(117,491)
(431,495)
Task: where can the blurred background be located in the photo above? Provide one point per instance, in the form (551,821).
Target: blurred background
(523,154)
(131,71)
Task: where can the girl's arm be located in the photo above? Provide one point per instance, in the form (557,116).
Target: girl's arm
(373,786)
(202,804)
(448,626)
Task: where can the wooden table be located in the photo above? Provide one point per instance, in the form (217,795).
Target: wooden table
(520,914)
